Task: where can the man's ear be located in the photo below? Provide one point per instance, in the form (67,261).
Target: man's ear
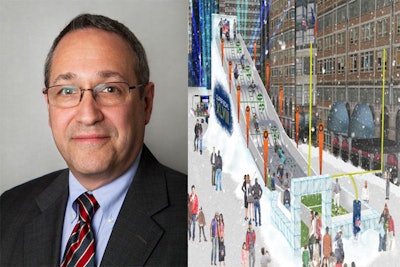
(148,97)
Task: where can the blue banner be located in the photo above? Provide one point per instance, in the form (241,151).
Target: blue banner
(222,108)
(356,217)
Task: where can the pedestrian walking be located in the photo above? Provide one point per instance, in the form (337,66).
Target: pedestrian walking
(244,257)
(218,172)
(212,160)
(305,256)
(250,200)
(245,186)
(391,234)
(251,243)
(214,238)
(382,234)
(365,192)
(221,239)
(336,198)
(311,233)
(198,129)
(339,251)
(202,222)
(265,257)
(286,196)
(327,243)
(256,191)
(387,177)
(318,233)
(194,210)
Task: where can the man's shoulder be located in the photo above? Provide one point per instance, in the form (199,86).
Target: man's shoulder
(30,188)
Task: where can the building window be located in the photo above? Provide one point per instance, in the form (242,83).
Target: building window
(353,63)
(328,43)
(292,71)
(353,35)
(329,66)
(398,24)
(398,57)
(340,64)
(340,38)
(382,26)
(380,60)
(367,31)
(319,44)
(320,66)
(367,60)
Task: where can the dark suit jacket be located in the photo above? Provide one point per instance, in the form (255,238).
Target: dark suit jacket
(150,229)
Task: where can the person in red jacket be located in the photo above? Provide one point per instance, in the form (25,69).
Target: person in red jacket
(194,210)
(391,233)
(250,244)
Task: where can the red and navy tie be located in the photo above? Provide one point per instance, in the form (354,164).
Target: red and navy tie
(80,248)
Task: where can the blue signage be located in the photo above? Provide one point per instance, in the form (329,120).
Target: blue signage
(222,108)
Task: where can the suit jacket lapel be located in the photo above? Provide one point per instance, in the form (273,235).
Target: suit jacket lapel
(43,234)
(136,231)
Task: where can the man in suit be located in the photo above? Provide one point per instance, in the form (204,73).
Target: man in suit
(99,100)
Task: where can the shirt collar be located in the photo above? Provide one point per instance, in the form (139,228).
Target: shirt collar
(107,194)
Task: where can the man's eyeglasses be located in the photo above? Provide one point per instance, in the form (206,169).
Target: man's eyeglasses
(105,94)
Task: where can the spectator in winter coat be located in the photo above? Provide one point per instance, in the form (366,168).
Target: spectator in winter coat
(256,191)
(251,243)
(245,186)
(218,175)
(305,256)
(214,238)
(244,259)
(327,243)
(382,234)
(318,233)
(336,198)
(194,210)
(365,192)
(265,257)
(286,197)
(391,233)
(198,129)
(339,251)
(202,222)
(213,170)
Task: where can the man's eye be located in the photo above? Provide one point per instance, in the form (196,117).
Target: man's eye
(110,89)
(67,90)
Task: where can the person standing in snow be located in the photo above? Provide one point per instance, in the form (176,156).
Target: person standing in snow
(221,238)
(336,198)
(387,177)
(365,192)
(244,257)
(311,233)
(212,160)
(382,234)
(202,222)
(197,131)
(327,243)
(194,210)
(318,233)
(390,234)
(305,256)
(214,238)
(218,175)
(256,191)
(265,257)
(245,186)
(339,251)
(251,243)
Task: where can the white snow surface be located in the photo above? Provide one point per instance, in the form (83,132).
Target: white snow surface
(238,161)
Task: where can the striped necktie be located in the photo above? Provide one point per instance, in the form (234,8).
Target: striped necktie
(80,248)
